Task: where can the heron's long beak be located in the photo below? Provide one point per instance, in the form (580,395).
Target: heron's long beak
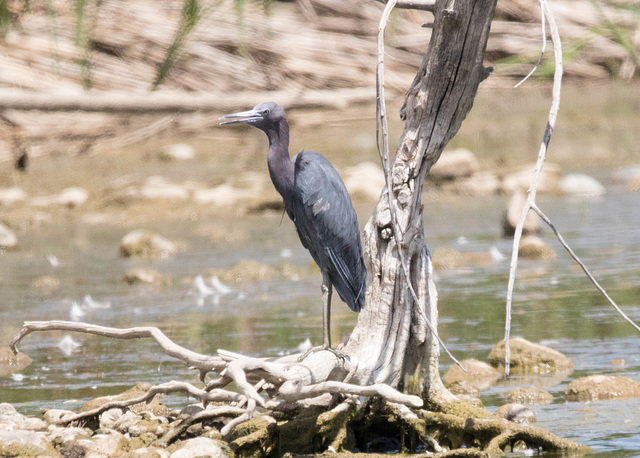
(244,116)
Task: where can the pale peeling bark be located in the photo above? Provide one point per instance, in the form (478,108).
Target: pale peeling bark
(391,343)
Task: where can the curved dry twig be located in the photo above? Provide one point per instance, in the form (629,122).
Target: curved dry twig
(203,363)
(544,46)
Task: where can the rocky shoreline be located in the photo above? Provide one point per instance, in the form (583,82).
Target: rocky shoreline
(150,429)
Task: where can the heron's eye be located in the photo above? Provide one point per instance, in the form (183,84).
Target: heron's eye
(266,111)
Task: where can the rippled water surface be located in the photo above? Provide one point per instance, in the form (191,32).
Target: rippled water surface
(554,303)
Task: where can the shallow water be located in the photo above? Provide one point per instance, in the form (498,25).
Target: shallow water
(554,303)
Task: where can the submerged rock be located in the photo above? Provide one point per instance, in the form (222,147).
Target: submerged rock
(11,363)
(577,184)
(479,374)
(148,276)
(146,244)
(527,358)
(513,213)
(599,387)
(530,395)
(517,413)
(534,247)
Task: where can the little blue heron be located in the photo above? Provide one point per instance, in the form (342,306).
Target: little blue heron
(319,205)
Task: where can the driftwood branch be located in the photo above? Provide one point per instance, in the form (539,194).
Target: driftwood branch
(165,388)
(203,363)
(295,380)
(424,5)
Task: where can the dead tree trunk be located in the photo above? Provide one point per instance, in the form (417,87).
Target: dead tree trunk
(391,342)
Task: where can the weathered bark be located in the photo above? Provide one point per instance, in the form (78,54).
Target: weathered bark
(391,342)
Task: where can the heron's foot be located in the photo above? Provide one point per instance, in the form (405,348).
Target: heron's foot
(339,354)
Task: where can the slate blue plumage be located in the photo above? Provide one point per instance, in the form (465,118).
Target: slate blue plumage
(318,203)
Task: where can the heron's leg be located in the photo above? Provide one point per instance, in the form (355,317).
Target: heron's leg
(326,310)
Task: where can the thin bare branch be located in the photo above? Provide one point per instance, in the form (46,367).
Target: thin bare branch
(165,388)
(584,267)
(424,5)
(553,113)
(544,47)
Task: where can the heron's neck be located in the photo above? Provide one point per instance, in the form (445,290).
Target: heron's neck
(281,168)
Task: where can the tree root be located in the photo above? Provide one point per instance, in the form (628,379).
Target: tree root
(349,425)
(292,380)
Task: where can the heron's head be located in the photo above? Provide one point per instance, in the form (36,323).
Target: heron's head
(265,116)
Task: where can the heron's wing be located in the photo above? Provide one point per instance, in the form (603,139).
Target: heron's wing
(328,226)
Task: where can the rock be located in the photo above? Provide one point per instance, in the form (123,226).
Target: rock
(46,282)
(10,196)
(534,247)
(146,244)
(202,446)
(129,422)
(599,387)
(11,363)
(65,437)
(634,185)
(464,388)
(479,374)
(580,185)
(364,181)
(455,164)
(224,195)
(149,276)
(529,395)
(445,258)
(155,406)
(521,180)
(103,445)
(177,151)
(478,184)
(513,213)
(54,415)
(25,443)
(109,417)
(517,413)
(250,270)
(73,197)
(150,452)
(529,358)
(159,188)
(626,174)
(8,238)
(69,197)
(12,420)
